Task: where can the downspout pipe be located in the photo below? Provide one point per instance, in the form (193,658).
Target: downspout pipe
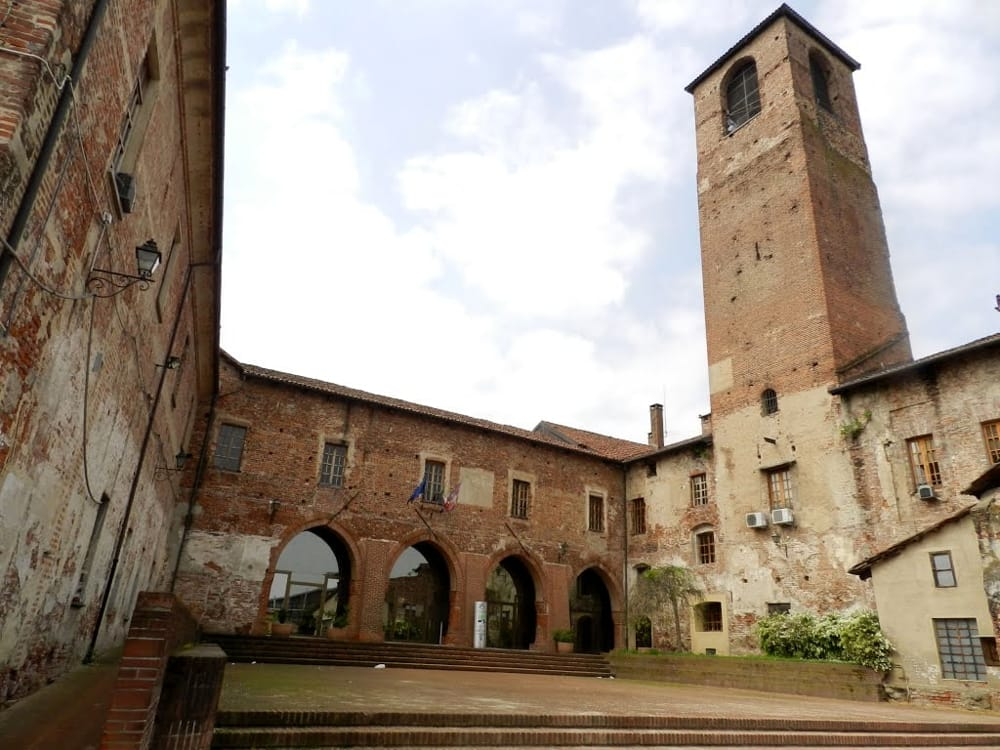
(133,489)
(48,148)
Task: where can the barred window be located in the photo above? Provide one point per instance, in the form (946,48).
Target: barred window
(520,492)
(991,434)
(742,97)
(768,402)
(595,513)
(699,489)
(434,481)
(710,616)
(779,488)
(638,515)
(331,470)
(959,649)
(923,461)
(229,447)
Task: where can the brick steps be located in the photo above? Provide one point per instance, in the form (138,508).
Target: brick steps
(310,650)
(282,729)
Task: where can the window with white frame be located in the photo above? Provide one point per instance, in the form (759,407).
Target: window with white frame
(332,465)
(434,481)
(704,546)
(699,489)
(229,447)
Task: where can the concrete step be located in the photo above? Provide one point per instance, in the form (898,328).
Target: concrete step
(394,729)
(310,650)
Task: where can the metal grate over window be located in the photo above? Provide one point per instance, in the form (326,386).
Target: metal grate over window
(742,97)
(959,648)
(520,493)
(596,513)
(768,402)
(638,515)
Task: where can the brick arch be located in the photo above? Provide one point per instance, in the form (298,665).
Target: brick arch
(456,579)
(328,528)
(615,593)
(531,562)
(449,553)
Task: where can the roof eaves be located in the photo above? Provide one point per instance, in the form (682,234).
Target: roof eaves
(783,11)
(983,343)
(863,568)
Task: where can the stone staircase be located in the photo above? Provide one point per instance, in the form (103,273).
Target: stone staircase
(284,729)
(310,650)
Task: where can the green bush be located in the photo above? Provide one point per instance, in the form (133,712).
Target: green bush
(854,637)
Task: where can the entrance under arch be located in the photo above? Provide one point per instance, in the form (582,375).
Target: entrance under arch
(510,606)
(590,612)
(311,583)
(417,596)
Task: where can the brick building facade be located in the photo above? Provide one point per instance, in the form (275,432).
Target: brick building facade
(825,441)
(110,136)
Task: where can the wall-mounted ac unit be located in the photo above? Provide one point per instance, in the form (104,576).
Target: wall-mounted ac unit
(756,520)
(125,186)
(925,492)
(782,517)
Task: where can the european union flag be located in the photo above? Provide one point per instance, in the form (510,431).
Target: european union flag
(418,490)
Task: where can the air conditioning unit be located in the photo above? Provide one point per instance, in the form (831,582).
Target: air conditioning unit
(782,517)
(926,492)
(756,520)
(125,187)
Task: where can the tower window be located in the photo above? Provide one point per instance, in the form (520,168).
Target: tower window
(820,81)
(768,402)
(742,97)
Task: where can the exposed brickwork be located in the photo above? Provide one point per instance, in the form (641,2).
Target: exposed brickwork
(160,624)
(67,360)
(227,584)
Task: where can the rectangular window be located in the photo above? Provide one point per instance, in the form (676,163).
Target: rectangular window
(229,447)
(779,488)
(434,481)
(778,608)
(944,571)
(638,515)
(991,434)
(699,489)
(960,649)
(596,513)
(704,543)
(520,494)
(923,461)
(711,616)
(130,122)
(331,469)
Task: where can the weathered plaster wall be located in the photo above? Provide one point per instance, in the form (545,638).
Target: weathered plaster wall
(80,376)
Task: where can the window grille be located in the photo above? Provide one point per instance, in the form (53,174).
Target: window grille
(596,513)
(331,471)
(638,515)
(959,649)
(742,97)
(520,492)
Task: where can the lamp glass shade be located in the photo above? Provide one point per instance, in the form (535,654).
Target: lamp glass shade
(147,258)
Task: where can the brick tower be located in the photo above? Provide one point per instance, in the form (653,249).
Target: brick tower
(798,288)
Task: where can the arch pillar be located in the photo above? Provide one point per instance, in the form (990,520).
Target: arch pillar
(377,558)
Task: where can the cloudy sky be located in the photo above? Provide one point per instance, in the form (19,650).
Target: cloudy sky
(489,206)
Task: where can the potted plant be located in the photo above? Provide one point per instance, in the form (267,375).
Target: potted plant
(281,627)
(564,640)
(337,631)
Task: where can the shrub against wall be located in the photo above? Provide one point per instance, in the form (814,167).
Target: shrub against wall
(854,637)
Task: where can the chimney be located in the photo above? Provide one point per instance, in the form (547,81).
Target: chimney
(656,425)
(706,423)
